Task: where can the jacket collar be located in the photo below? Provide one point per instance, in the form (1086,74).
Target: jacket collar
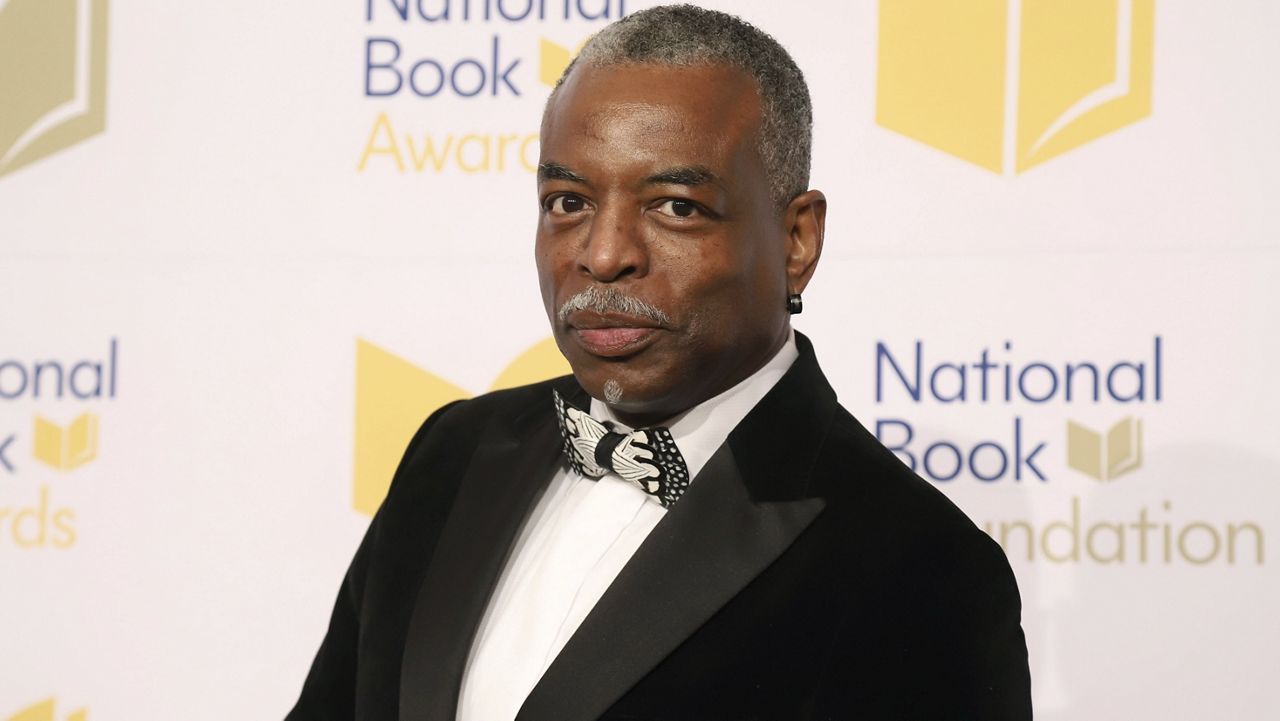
(793,417)
(743,510)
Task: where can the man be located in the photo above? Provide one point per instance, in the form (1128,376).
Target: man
(749,551)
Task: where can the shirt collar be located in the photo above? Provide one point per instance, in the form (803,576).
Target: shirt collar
(701,430)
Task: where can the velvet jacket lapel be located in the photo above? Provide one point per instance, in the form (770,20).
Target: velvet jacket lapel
(742,511)
(499,489)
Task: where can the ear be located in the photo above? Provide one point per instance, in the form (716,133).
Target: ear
(805,223)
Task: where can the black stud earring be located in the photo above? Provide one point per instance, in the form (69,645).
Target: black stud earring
(794,305)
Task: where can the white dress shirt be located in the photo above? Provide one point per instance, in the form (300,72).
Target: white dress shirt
(580,534)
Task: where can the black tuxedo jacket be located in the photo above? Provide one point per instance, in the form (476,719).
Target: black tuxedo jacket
(806,574)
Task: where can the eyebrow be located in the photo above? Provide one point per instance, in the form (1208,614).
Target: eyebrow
(681,175)
(685,175)
(556,171)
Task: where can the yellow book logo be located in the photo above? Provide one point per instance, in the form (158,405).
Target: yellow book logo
(1108,458)
(1009,84)
(394,396)
(66,448)
(45,711)
(553,58)
(53,77)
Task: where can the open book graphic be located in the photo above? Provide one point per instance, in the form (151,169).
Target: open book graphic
(553,58)
(53,76)
(1010,84)
(1105,459)
(1076,84)
(70,447)
(45,711)
(393,395)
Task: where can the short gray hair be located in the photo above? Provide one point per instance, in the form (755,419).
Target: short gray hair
(688,35)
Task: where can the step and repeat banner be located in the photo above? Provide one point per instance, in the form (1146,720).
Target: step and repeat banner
(245,248)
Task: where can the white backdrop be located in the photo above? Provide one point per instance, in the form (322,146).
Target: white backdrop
(241,224)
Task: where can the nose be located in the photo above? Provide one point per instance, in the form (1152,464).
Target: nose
(614,248)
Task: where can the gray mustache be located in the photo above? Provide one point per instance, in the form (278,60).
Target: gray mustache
(611,300)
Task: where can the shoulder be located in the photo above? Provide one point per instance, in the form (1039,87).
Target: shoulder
(907,519)
(927,587)
(900,539)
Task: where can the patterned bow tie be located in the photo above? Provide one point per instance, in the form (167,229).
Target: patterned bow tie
(647,457)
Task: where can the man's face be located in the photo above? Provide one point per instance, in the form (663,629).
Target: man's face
(651,185)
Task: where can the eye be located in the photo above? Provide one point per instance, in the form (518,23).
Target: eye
(678,208)
(565,204)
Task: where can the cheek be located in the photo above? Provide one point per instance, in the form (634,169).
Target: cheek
(545,258)
(727,293)
(711,291)
(721,269)
(557,252)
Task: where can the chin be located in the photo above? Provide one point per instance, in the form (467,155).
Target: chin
(640,384)
(617,385)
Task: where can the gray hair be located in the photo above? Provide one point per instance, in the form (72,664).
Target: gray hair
(688,35)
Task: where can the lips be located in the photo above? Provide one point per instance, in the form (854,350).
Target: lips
(610,335)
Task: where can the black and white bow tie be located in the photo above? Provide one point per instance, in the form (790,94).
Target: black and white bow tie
(647,457)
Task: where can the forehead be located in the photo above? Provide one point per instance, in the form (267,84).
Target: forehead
(643,115)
